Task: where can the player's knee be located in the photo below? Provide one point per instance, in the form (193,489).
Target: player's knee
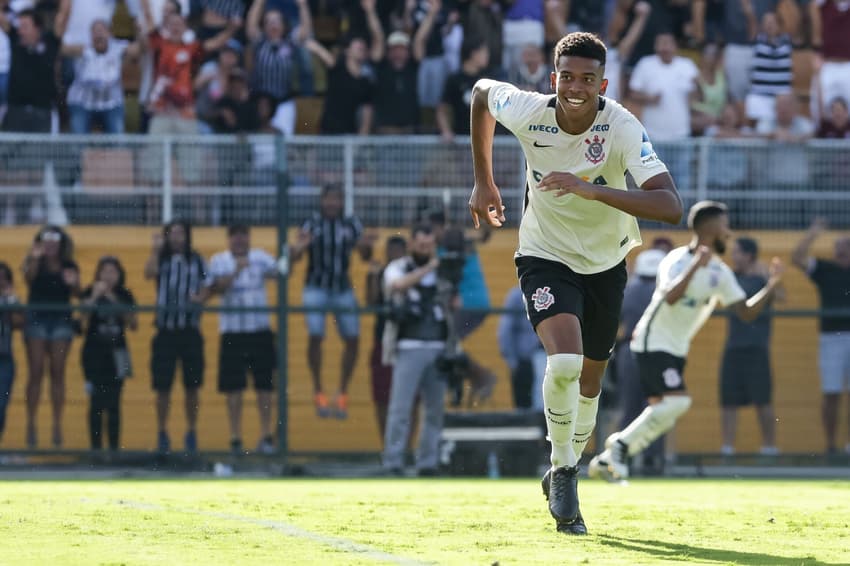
(674,405)
(563,369)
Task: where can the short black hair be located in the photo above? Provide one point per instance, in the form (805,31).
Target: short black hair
(7,271)
(37,19)
(470,46)
(437,217)
(748,246)
(238,229)
(397,241)
(581,44)
(421,229)
(703,211)
(331,188)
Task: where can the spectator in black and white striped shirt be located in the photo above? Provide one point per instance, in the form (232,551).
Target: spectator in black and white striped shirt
(180,273)
(247,343)
(96,93)
(278,58)
(329,238)
(771,70)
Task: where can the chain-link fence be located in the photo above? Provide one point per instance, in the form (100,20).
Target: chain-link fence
(388,181)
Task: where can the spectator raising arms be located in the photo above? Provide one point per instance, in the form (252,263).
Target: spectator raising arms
(105,358)
(96,93)
(32,76)
(9,321)
(396,102)
(53,278)
(277,52)
(329,238)
(350,79)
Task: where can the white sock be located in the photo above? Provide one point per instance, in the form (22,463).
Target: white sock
(654,421)
(585,423)
(560,405)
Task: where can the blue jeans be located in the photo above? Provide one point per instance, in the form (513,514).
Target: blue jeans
(112,121)
(348,324)
(7,376)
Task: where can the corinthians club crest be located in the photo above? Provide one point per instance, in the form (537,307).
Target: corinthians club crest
(595,152)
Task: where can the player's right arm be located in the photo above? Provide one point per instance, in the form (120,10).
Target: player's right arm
(679,285)
(800,256)
(486,201)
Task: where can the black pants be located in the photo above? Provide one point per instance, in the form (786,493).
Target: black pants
(105,398)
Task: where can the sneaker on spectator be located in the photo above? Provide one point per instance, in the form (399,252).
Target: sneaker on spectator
(320,400)
(769,451)
(163,443)
(266,446)
(190,442)
(340,408)
(727,450)
(236,447)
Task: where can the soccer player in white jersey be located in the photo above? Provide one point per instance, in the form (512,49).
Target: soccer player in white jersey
(691,282)
(577,227)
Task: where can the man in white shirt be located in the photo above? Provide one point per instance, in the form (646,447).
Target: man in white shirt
(247,342)
(577,227)
(692,281)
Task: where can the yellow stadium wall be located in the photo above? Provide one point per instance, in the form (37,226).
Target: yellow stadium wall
(794,354)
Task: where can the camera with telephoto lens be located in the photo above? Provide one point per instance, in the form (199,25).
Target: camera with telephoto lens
(452,363)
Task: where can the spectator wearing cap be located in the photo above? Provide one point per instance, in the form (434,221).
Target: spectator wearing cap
(745,376)
(96,95)
(277,63)
(211,82)
(636,298)
(348,107)
(32,75)
(396,102)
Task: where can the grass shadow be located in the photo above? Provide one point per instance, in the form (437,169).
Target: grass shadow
(669,550)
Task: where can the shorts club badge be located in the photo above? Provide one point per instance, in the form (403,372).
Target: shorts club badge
(543,299)
(595,152)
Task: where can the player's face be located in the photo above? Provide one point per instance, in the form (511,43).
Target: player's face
(578,82)
(722,233)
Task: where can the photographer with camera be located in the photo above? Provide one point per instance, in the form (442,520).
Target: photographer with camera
(415,340)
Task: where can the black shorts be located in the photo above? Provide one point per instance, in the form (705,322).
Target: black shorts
(660,373)
(551,288)
(241,352)
(745,377)
(169,346)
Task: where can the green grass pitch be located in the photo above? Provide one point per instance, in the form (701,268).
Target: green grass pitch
(413,522)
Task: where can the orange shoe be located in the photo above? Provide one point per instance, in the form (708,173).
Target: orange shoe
(323,409)
(341,406)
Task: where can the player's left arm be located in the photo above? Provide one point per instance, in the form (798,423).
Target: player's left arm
(750,309)
(658,198)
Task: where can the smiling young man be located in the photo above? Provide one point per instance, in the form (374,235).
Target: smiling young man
(577,227)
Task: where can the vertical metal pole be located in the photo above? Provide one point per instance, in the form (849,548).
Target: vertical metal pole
(702,168)
(282,179)
(348,174)
(167,189)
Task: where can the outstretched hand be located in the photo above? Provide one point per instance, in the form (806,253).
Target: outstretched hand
(486,203)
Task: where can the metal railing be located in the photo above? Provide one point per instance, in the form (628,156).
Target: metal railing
(388,180)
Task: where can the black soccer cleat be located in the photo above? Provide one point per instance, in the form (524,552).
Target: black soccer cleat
(574,527)
(563,494)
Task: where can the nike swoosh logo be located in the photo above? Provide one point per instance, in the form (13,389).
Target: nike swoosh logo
(538,145)
(554,414)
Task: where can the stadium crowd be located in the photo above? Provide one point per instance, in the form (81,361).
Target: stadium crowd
(723,68)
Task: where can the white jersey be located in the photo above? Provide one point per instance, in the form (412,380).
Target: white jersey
(588,236)
(247,290)
(670,328)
